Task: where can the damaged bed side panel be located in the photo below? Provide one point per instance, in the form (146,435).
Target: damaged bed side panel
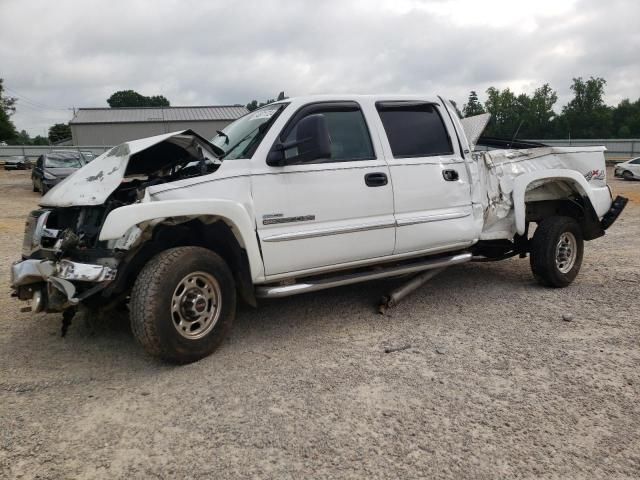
(502,171)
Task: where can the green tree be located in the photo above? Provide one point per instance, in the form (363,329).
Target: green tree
(253,104)
(505,111)
(520,116)
(39,140)
(473,105)
(7,108)
(23,138)
(537,113)
(59,131)
(131,98)
(586,115)
(626,119)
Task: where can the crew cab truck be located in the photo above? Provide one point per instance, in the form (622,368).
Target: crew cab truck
(301,195)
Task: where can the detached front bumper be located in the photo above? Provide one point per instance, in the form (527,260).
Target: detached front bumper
(53,284)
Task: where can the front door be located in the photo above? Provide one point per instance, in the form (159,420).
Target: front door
(431,183)
(330,212)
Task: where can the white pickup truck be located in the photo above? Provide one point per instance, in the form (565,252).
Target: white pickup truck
(297,196)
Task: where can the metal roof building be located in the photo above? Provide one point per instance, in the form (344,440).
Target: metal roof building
(112,126)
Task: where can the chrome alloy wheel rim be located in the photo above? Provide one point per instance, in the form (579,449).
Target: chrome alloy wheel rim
(566,252)
(195,305)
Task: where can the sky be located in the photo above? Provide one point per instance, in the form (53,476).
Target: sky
(57,55)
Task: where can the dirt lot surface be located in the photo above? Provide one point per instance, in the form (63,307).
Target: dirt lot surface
(495,383)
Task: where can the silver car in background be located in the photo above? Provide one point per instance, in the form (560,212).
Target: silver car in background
(629,170)
(17,162)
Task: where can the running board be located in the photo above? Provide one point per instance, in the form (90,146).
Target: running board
(275,291)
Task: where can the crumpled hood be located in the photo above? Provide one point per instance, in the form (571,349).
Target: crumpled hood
(93,183)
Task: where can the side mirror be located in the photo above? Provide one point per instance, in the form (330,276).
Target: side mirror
(312,141)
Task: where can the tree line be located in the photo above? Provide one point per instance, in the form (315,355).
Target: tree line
(534,117)
(521,116)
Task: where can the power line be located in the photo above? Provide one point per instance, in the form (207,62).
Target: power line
(33,103)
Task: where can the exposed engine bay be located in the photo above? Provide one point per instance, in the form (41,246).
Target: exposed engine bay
(64,261)
(175,157)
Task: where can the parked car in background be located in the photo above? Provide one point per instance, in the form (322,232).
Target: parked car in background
(17,162)
(628,170)
(53,167)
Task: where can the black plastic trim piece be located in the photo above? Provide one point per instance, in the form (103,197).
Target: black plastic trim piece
(494,142)
(614,212)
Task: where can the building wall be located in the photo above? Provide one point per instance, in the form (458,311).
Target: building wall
(116,133)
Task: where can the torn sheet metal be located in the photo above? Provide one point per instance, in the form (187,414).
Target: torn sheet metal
(498,169)
(93,183)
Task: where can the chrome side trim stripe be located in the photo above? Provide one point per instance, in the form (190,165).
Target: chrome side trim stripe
(274,291)
(431,218)
(282,237)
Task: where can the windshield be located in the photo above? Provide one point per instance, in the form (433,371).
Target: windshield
(62,161)
(242,137)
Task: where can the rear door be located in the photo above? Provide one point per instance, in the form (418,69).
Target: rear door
(432,193)
(330,212)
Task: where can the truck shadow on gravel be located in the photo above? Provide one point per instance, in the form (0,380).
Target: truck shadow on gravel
(109,341)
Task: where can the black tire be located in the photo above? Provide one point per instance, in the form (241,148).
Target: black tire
(153,322)
(544,251)
(627,175)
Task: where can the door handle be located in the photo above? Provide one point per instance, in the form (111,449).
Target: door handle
(450,175)
(377,179)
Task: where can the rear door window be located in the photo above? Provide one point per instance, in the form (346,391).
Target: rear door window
(414,129)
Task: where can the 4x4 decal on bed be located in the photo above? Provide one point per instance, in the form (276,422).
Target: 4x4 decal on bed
(595,175)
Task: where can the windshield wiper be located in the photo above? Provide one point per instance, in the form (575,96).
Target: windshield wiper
(260,128)
(222,134)
(241,140)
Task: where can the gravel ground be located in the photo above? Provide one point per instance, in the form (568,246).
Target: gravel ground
(495,383)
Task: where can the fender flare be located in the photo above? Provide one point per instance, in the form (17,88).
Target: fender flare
(522,182)
(234,214)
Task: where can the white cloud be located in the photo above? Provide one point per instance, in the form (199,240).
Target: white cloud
(67,53)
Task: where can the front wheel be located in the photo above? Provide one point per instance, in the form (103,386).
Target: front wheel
(556,251)
(627,175)
(183,304)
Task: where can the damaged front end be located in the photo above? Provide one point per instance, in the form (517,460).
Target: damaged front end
(60,267)
(63,261)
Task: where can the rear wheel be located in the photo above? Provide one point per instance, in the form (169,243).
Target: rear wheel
(183,304)
(627,175)
(556,251)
